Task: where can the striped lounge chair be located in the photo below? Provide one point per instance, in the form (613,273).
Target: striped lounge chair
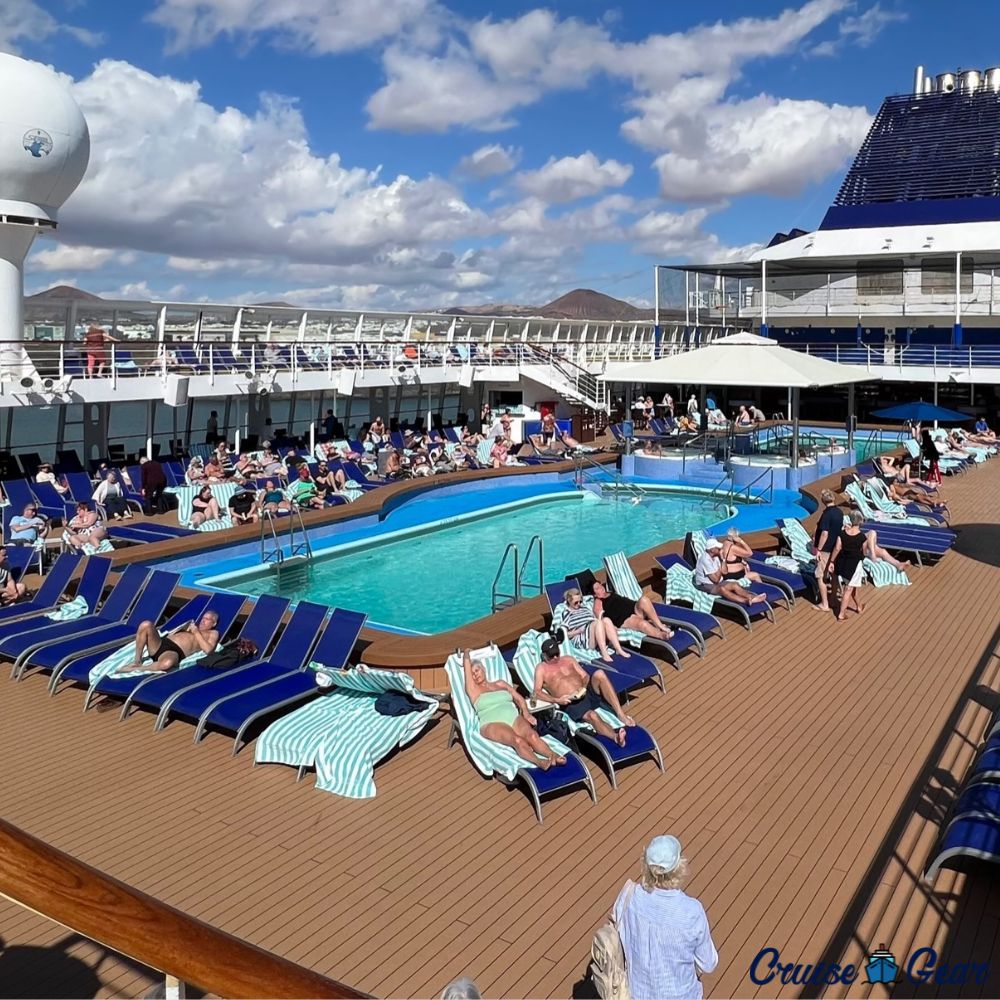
(639,742)
(879,497)
(681,587)
(882,574)
(777,585)
(341,735)
(623,581)
(497,761)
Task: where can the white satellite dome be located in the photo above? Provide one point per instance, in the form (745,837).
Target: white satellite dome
(44,142)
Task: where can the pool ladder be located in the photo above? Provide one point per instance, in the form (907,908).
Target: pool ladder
(272,552)
(518,569)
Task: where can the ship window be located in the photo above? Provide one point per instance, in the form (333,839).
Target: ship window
(937,277)
(884,278)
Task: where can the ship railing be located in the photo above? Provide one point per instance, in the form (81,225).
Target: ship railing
(185,950)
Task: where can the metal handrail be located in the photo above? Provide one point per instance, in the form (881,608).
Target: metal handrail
(497,598)
(703,438)
(618,485)
(769,493)
(535,545)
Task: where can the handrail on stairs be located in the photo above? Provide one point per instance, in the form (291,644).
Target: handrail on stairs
(534,546)
(618,486)
(498,599)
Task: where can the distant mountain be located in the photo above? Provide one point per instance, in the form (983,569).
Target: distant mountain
(67,292)
(581,303)
(282,305)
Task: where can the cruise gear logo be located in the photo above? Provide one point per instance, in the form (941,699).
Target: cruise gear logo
(922,967)
(38,142)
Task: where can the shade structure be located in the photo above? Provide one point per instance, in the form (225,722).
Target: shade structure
(919,413)
(738,360)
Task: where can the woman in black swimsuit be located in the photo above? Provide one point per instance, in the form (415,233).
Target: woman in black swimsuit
(847,560)
(735,552)
(204,507)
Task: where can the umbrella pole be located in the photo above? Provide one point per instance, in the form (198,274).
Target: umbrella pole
(795,428)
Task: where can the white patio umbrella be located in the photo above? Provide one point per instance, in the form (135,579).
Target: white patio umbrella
(745,359)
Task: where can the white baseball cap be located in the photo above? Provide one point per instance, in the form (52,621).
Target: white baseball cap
(712,543)
(663,853)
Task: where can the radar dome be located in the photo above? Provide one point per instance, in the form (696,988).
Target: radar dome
(44,142)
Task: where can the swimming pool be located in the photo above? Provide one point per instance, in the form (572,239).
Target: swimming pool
(429,565)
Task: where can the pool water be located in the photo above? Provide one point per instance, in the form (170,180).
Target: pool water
(442,577)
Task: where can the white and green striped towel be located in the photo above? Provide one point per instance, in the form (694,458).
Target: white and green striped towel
(527,657)
(622,578)
(630,635)
(853,490)
(93,550)
(680,587)
(489,758)
(70,611)
(341,734)
(125,655)
(800,543)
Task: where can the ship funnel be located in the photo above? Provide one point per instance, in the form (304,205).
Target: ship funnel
(918,80)
(991,79)
(969,81)
(946,83)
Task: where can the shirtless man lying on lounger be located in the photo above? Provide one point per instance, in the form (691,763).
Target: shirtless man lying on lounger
(167,651)
(561,679)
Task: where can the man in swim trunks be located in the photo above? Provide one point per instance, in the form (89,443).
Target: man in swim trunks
(561,679)
(167,651)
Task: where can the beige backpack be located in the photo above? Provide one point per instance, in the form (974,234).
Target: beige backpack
(607,958)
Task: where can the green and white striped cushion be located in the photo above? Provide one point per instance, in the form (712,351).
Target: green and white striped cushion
(70,610)
(622,578)
(876,491)
(527,657)
(341,734)
(884,574)
(853,490)
(680,587)
(488,757)
(483,450)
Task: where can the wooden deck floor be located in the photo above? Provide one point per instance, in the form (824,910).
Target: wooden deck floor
(808,766)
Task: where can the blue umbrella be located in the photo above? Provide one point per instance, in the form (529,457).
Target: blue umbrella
(920,413)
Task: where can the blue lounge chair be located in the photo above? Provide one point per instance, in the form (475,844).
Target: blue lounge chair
(625,673)
(90,587)
(495,760)
(897,539)
(639,742)
(91,648)
(148,531)
(260,627)
(19,494)
(699,623)
(972,833)
(47,596)
(126,590)
(678,568)
(226,606)
(81,489)
(291,652)
(669,649)
(788,582)
(272,686)
(49,497)
(186,356)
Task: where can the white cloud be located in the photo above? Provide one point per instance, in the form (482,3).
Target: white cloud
(762,145)
(488,161)
(427,93)
(26,21)
(64,256)
(315,26)
(573,177)
(860,29)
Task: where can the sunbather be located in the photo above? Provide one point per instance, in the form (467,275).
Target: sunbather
(10,591)
(204,507)
(167,651)
(735,553)
(626,613)
(586,630)
(709,576)
(273,499)
(504,716)
(562,680)
(876,553)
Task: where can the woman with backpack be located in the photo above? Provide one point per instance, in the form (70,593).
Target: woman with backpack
(666,942)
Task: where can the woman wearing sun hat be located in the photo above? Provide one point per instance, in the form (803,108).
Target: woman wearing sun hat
(664,933)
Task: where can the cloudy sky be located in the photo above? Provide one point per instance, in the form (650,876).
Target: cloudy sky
(415,153)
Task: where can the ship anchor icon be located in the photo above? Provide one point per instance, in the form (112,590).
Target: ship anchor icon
(881,966)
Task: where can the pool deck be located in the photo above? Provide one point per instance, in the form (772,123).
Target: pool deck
(809,764)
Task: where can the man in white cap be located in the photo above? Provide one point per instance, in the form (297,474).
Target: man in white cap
(709,575)
(664,932)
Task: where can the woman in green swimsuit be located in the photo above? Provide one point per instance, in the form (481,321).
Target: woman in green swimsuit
(504,716)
